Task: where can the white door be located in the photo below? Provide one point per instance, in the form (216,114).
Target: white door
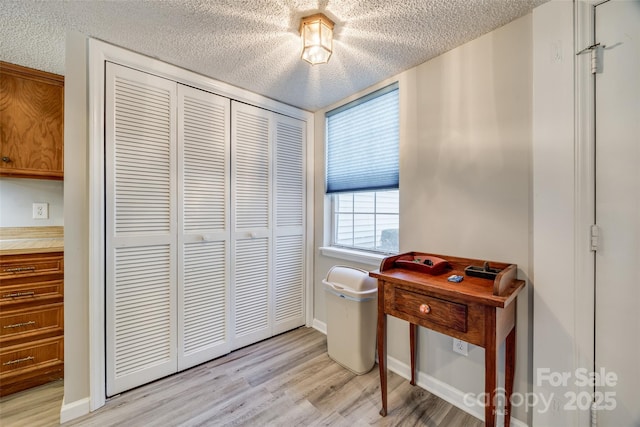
(251,224)
(617,334)
(140,157)
(203,221)
(289,243)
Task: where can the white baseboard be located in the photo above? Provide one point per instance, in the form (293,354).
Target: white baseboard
(444,391)
(73,410)
(320,326)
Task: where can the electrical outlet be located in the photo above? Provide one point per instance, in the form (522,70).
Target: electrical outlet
(41,211)
(460,347)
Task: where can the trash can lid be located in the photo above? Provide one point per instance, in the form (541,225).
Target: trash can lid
(352,278)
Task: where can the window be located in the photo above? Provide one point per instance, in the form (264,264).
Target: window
(363,172)
(367,220)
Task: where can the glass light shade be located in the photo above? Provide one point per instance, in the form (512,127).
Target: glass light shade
(317,38)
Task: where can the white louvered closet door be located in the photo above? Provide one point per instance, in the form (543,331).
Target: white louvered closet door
(251,224)
(203,240)
(289,242)
(140,227)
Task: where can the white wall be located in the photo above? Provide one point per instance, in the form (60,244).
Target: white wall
(17,196)
(465,184)
(470,184)
(76,236)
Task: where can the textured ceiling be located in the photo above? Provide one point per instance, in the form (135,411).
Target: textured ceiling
(254,44)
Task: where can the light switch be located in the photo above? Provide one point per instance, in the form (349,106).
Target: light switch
(41,211)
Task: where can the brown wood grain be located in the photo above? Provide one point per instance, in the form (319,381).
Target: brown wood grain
(30,265)
(47,365)
(479,311)
(441,312)
(505,321)
(31,123)
(30,293)
(490,367)
(471,289)
(31,320)
(413,343)
(381,334)
(475,319)
(31,323)
(42,352)
(510,370)
(504,279)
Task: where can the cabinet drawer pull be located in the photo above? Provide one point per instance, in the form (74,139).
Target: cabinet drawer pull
(19,294)
(425,309)
(12,362)
(6,159)
(19,269)
(17,325)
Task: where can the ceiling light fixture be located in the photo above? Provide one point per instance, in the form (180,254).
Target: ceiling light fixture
(317,38)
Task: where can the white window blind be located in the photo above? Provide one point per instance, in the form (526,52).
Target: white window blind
(362,143)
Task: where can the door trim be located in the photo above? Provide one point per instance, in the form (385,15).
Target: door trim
(584,161)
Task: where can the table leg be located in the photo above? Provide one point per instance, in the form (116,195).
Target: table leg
(510,366)
(382,351)
(490,371)
(413,335)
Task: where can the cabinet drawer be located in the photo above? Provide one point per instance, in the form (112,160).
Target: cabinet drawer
(431,310)
(38,354)
(34,292)
(30,322)
(30,265)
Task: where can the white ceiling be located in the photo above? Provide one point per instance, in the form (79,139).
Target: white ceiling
(254,44)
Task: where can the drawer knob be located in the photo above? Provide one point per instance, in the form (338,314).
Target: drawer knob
(425,309)
(6,159)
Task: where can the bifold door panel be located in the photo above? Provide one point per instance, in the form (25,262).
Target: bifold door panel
(140,227)
(203,221)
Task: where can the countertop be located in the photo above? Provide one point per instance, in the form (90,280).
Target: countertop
(29,240)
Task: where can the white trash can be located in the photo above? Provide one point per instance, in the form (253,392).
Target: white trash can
(351,317)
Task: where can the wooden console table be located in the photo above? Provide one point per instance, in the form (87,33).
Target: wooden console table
(481,311)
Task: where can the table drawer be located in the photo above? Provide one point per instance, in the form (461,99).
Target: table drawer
(30,322)
(38,354)
(431,310)
(33,292)
(31,265)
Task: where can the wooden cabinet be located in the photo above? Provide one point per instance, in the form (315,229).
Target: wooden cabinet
(31,320)
(31,122)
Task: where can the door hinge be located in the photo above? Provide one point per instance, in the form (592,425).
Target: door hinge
(595,237)
(596,56)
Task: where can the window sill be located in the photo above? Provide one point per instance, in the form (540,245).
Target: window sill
(361,257)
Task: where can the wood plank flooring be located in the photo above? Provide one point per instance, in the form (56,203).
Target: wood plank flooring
(288,380)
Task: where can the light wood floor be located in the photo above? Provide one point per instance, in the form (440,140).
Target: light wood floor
(288,380)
